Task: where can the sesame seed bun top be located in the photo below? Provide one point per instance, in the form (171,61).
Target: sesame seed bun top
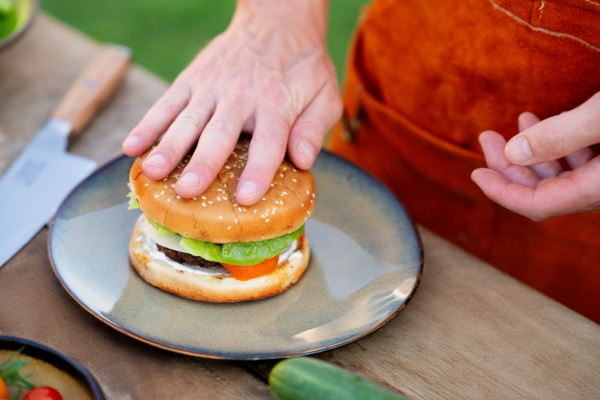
(214,216)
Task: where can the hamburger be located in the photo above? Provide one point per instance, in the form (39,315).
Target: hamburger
(210,248)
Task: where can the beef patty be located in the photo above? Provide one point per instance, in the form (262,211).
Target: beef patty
(181,257)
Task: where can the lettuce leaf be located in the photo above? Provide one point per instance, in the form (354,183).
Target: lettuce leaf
(243,253)
(133,204)
(162,231)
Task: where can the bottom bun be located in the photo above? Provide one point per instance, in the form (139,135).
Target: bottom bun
(213,288)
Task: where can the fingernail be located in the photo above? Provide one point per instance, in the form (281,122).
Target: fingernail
(247,190)
(518,151)
(306,151)
(131,141)
(189,179)
(156,161)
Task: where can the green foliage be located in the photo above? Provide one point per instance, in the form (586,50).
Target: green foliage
(166,35)
(10,372)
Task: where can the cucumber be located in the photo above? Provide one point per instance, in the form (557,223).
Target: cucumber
(309,378)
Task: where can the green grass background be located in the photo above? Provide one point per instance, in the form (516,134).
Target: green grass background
(166,34)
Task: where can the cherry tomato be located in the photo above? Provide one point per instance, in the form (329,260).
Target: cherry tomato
(245,273)
(42,393)
(4,395)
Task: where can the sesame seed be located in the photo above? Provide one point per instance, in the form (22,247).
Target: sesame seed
(232,175)
(262,215)
(203,204)
(235,205)
(228,167)
(271,185)
(225,184)
(168,200)
(284,193)
(210,202)
(165,186)
(147,184)
(244,208)
(203,197)
(284,169)
(263,198)
(195,198)
(219,190)
(254,211)
(173,185)
(163,192)
(219,199)
(281,175)
(239,209)
(178,197)
(308,212)
(293,169)
(305,218)
(311,202)
(313,195)
(155,195)
(302,205)
(236,220)
(224,198)
(276,201)
(267,220)
(220,217)
(294,180)
(273,209)
(228,228)
(307,192)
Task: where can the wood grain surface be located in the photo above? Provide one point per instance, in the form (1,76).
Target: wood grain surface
(470,332)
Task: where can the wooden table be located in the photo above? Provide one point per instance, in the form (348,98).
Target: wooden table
(469,332)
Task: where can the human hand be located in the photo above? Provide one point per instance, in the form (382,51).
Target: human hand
(268,74)
(523,174)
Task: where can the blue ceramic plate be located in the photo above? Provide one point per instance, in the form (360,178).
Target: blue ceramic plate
(366,262)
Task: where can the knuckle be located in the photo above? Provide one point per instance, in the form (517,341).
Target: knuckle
(221,126)
(189,119)
(311,129)
(554,137)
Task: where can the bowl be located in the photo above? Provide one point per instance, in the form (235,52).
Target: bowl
(52,368)
(15,19)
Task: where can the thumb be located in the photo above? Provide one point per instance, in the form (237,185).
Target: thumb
(557,136)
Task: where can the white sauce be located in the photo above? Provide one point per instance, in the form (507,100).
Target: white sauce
(150,237)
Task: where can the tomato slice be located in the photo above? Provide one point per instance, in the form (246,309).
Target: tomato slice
(246,273)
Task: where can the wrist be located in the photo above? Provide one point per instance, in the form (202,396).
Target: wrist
(284,17)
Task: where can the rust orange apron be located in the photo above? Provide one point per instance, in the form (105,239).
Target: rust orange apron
(426,77)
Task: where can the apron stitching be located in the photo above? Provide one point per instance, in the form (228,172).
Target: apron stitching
(542,30)
(541,10)
(592,2)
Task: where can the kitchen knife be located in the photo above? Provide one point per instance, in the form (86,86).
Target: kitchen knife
(45,173)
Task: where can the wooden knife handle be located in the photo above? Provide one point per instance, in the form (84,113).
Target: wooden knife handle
(94,86)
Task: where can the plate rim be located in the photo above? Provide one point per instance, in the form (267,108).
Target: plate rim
(213,356)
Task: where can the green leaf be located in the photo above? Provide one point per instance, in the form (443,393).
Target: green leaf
(161,229)
(243,253)
(10,371)
(6,6)
(133,204)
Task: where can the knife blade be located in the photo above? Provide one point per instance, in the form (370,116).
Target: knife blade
(45,173)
